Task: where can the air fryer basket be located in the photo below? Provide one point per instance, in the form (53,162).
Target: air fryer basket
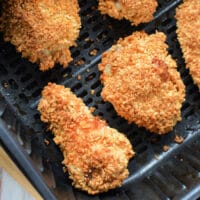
(154,174)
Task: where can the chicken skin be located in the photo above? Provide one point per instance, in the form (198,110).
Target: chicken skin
(141,81)
(188,31)
(135,11)
(96,156)
(42,30)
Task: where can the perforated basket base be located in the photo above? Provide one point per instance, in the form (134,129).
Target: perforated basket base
(154,174)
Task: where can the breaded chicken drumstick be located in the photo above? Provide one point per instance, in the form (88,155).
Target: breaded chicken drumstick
(188,31)
(142,82)
(136,12)
(95,155)
(42,30)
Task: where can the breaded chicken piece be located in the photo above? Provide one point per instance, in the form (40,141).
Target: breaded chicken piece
(95,155)
(136,12)
(188,31)
(42,30)
(141,81)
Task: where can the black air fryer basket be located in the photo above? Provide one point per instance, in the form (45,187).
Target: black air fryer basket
(154,174)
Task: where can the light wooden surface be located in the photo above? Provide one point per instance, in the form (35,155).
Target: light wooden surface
(8,165)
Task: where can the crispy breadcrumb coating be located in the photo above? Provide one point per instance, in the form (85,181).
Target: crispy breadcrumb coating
(95,155)
(42,30)
(136,12)
(188,31)
(141,81)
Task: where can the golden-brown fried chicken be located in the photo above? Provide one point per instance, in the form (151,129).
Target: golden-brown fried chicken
(141,81)
(136,12)
(95,155)
(188,31)
(42,30)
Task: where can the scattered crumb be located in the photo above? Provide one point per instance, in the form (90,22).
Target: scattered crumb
(46,141)
(87,39)
(80,62)
(93,52)
(165,148)
(178,139)
(79,77)
(92,109)
(64,169)
(5,85)
(65,75)
(92,92)
(156,157)
(88,70)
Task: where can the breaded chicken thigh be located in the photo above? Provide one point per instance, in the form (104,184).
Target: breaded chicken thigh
(42,30)
(188,31)
(141,80)
(96,156)
(136,12)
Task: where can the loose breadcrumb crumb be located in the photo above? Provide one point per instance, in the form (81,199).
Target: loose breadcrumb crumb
(79,77)
(64,169)
(65,75)
(156,157)
(80,62)
(93,52)
(5,85)
(178,139)
(92,92)
(87,39)
(92,109)
(166,148)
(46,141)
